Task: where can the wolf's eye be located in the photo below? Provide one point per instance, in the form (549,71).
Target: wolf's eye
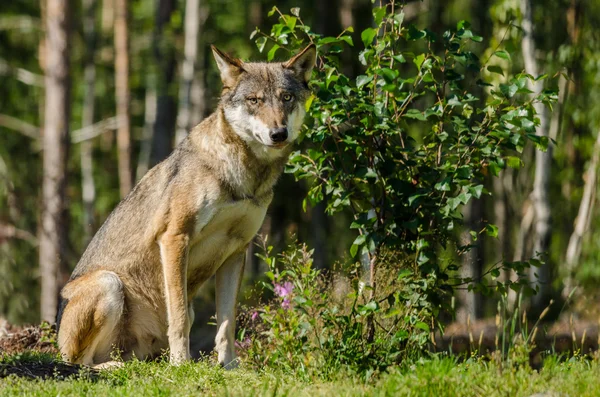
(253,100)
(287,97)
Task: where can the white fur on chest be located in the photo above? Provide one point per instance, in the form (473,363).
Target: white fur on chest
(221,230)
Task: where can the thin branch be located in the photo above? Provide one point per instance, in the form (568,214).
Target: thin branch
(21,126)
(77,136)
(23,75)
(94,130)
(8,231)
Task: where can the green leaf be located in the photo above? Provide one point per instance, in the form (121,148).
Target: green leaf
(509,90)
(272,52)
(368,35)
(423,326)
(399,17)
(415,34)
(491,230)
(404,273)
(476,191)
(419,60)
(502,54)
(495,69)
(360,239)
(379,14)
(399,58)
(260,43)
(362,80)
(513,162)
(348,40)
(291,22)
(444,185)
(415,114)
(388,74)
(353,250)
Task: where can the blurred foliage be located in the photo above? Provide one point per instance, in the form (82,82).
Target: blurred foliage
(565,33)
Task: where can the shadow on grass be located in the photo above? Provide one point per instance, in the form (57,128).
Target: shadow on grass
(35,365)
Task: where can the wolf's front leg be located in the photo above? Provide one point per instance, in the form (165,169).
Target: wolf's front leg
(228,280)
(174,252)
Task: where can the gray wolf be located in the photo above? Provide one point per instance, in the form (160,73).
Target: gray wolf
(189,218)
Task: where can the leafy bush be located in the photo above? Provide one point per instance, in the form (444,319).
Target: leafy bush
(402,147)
(319,326)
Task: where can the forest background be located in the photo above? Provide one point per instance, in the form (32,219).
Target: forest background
(85,114)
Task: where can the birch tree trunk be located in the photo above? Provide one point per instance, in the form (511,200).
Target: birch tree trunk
(88,187)
(195,16)
(122,96)
(584,217)
(539,277)
(53,236)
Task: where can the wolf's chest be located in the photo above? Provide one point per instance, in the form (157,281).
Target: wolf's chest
(220,231)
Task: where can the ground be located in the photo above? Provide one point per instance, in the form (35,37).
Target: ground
(29,366)
(437,377)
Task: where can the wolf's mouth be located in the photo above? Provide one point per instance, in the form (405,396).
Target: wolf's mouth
(279,145)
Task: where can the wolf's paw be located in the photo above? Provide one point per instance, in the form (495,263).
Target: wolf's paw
(233,364)
(179,359)
(109,365)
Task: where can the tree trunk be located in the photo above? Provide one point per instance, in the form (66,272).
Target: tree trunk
(584,217)
(149,120)
(539,277)
(164,57)
(53,233)
(195,16)
(122,96)
(318,230)
(108,15)
(88,186)
(472,266)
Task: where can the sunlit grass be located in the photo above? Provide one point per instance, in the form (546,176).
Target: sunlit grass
(436,377)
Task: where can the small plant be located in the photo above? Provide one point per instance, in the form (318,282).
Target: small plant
(316,325)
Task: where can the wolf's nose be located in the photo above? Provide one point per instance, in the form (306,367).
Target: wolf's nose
(278,134)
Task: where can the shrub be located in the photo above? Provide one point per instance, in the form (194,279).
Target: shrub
(402,147)
(318,325)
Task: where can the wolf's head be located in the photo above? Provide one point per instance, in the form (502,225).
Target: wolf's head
(264,102)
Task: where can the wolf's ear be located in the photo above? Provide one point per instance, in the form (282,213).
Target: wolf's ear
(229,67)
(302,64)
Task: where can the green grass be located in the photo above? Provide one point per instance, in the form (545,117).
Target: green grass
(438,377)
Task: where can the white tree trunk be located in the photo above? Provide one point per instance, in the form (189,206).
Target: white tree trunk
(53,236)
(539,277)
(584,217)
(195,16)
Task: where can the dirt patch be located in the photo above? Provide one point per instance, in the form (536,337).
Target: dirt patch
(30,352)
(15,340)
(566,336)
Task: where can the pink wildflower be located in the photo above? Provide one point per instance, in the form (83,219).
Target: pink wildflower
(283,290)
